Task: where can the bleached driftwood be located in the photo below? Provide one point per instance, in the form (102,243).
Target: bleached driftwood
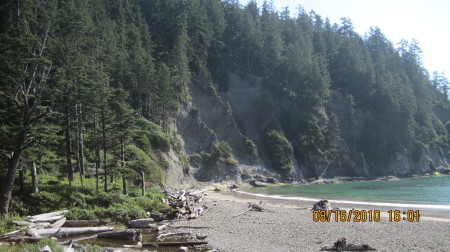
(64,242)
(193,227)
(11,234)
(171,234)
(141,223)
(162,227)
(251,207)
(323,205)
(83,223)
(53,216)
(184,201)
(66,231)
(58,223)
(126,234)
(172,244)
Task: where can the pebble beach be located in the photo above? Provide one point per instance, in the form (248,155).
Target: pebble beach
(285,226)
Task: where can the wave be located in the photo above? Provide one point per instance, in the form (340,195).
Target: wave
(393,205)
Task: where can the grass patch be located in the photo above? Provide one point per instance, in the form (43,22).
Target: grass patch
(86,202)
(23,246)
(6,224)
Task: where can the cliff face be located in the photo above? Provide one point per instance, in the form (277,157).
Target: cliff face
(230,116)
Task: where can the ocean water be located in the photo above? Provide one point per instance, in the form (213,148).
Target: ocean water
(427,192)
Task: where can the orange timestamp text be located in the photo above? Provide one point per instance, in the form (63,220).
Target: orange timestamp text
(365,215)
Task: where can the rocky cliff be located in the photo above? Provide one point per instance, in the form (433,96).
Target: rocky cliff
(210,118)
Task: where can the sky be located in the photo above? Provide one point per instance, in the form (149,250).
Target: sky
(427,21)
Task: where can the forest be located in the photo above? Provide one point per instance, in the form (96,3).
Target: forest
(90,89)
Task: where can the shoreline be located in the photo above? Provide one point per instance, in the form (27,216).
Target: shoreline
(242,196)
(284,226)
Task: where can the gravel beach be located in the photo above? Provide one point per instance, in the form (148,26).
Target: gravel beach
(285,227)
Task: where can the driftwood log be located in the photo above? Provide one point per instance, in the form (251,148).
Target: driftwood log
(66,231)
(251,207)
(126,234)
(47,217)
(83,223)
(58,223)
(323,205)
(70,241)
(172,244)
(186,203)
(142,223)
(11,234)
(341,245)
(171,234)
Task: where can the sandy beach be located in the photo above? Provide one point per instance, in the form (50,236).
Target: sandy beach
(287,226)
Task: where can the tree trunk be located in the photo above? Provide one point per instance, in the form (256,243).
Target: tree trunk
(7,187)
(80,139)
(68,140)
(34,178)
(122,154)
(143,182)
(104,147)
(97,153)
(125,187)
(22,174)
(79,145)
(27,82)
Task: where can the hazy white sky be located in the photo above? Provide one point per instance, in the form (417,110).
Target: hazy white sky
(428,21)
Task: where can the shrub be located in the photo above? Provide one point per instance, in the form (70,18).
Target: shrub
(23,246)
(250,147)
(226,153)
(279,150)
(121,212)
(77,213)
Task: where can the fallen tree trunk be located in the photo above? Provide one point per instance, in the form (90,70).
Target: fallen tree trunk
(71,241)
(171,234)
(251,207)
(127,234)
(44,217)
(193,227)
(58,223)
(66,231)
(172,244)
(141,223)
(50,219)
(83,223)
(10,234)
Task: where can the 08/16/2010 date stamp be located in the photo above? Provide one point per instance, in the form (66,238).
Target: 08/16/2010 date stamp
(365,215)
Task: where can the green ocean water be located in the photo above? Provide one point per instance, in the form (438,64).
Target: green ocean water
(428,192)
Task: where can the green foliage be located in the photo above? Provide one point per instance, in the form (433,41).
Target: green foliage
(6,224)
(155,134)
(121,212)
(121,69)
(279,150)
(140,161)
(23,246)
(250,147)
(225,153)
(194,111)
(78,213)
